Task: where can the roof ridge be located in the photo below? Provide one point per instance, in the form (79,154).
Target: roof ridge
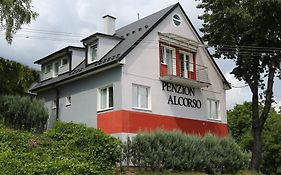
(146,17)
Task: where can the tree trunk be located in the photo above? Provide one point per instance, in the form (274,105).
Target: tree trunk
(256,132)
(256,149)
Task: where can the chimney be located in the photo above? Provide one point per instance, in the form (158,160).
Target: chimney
(109,24)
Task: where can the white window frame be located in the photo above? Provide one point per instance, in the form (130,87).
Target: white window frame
(209,108)
(90,53)
(46,71)
(62,65)
(68,101)
(54,104)
(177,20)
(186,67)
(139,98)
(99,107)
(54,64)
(190,67)
(173,61)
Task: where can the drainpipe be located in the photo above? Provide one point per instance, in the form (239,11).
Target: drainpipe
(57,105)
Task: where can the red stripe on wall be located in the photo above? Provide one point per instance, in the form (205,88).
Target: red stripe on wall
(133,122)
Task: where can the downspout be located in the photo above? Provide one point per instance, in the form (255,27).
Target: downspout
(57,104)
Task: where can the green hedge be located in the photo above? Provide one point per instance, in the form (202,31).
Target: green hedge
(66,149)
(23,113)
(176,151)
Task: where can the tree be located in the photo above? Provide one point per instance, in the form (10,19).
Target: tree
(15,78)
(239,124)
(13,14)
(247,32)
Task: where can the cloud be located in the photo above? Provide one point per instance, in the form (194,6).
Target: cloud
(239,93)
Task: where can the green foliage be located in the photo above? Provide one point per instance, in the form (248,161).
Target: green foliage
(239,124)
(240,128)
(23,113)
(176,151)
(272,146)
(13,14)
(15,78)
(245,32)
(66,149)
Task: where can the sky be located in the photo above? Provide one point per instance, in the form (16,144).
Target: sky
(65,22)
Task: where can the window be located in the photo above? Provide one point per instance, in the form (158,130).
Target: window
(169,58)
(176,20)
(93,53)
(56,69)
(186,63)
(48,69)
(54,104)
(68,101)
(141,97)
(64,62)
(105,98)
(213,109)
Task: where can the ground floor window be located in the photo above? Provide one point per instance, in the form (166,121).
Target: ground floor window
(68,101)
(141,97)
(213,109)
(105,100)
(54,104)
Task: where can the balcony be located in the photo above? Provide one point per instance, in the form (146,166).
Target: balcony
(192,75)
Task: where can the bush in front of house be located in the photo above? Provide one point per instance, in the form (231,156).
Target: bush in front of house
(176,151)
(23,113)
(66,149)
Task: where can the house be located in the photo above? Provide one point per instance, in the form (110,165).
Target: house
(153,73)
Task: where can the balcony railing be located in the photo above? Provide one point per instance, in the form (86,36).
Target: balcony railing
(186,73)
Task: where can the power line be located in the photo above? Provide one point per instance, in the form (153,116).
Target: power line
(223,49)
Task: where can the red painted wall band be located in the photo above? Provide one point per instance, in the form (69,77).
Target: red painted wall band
(123,121)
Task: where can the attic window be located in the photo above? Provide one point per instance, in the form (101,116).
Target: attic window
(127,34)
(146,26)
(133,32)
(176,20)
(139,29)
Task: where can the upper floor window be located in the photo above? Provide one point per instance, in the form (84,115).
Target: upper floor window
(186,63)
(141,97)
(64,62)
(169,58)
(177,61)
(213,109)
(105,98)
(48,68)
(56,69)
(93,53)
(176,19)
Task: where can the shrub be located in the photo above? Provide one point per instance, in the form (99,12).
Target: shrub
(66,149)
(23,113)
(180,152)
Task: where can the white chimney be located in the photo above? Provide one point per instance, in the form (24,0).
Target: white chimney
(109,24)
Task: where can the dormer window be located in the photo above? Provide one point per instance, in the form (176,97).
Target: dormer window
(56,69)
(64,62)
(48,69)
(93,53)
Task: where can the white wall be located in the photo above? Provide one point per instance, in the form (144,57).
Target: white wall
(77,57)
(143,67)
(105,45)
